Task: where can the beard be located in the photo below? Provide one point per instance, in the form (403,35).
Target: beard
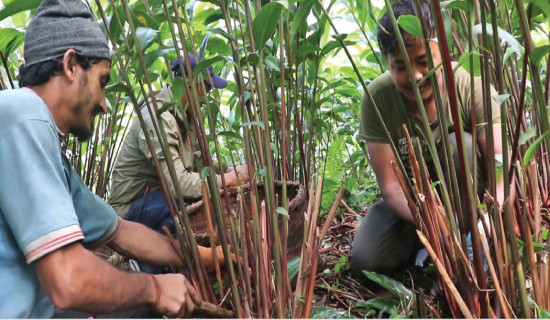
(83,133)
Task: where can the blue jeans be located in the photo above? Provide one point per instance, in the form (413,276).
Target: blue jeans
(151,209)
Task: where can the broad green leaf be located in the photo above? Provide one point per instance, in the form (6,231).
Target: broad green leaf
(292,267)
(539,53)
(223,33)
(544,5)
(395,287)
(502,34)
(543,314)
(340,37)
(508,54)
(501,98)
(14,7)
(456,4)
(10,39)
(411,24)
(265,23)
(178,88)
(204,65)
(205,172)
(272,63)
(114,26)
(253,123)
(263,172)
(146,36)
(230,134)
(118,87)
(308,50)
(150,57)
(282,211)
(165,107)
(326,312)
(386,305)
(300,17)
(532,148)
(142,18)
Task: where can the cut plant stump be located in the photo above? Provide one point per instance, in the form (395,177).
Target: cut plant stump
(297,205)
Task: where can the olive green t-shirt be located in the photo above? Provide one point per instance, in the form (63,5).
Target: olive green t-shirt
(396,110)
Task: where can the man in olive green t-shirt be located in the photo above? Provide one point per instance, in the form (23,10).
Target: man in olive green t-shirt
(386,239)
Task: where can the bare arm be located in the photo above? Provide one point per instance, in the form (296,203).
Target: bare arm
(497,150)
(381,156)
(75,278)
(141,243)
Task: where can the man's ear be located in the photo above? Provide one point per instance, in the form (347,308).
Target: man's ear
(69,64)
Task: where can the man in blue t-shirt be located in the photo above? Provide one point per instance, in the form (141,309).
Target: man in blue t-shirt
(48,217)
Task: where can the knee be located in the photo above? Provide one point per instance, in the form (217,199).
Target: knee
(361,258)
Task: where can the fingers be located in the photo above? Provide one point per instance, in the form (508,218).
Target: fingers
(195,296)
(178,296)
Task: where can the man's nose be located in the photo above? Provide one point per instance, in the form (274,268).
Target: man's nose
(418,74)
(103,103)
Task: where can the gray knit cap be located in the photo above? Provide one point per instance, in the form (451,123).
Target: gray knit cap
(60,25)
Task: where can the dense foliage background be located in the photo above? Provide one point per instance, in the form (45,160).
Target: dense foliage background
(297,72)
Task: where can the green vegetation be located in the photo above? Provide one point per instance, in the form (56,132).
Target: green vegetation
(297,72)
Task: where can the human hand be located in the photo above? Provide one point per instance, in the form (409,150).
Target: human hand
(176,297)
(207,257)
(233,177)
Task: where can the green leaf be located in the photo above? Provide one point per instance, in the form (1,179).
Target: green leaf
(300,17)
(543,314)
(539,53)
(118,87)
(526,136)
(282,211)
(326,312)
(532,148)
(411,24)
(272,63)
(456,4)
(146,36)
(263,172)
(508,54)
(292,267)
(544,5)
(265,23)
(502,34)
(230,134)
(253,123)
(203,66)
(223,33)
(178,88)
(10,39)
(499,99)
(165,107)
(395,287)
(14,7)
(386,305)
(150,57)
(142,18)
(205,172)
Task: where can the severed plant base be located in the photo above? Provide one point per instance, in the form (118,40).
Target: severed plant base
(237,204)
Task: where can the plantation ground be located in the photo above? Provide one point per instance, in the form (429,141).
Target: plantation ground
(339,295)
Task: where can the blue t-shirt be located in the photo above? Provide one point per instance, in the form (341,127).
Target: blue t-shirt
(44,205)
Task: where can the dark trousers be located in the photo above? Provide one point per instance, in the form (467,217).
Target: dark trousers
(385,243)
(151,209)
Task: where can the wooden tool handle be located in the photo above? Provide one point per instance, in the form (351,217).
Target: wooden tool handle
(212,310)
